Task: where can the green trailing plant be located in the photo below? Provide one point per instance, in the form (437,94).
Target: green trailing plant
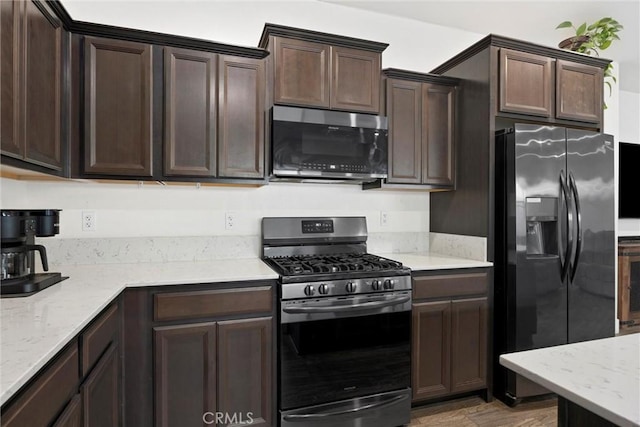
(591,39)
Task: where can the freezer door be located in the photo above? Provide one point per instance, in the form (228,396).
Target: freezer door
(592,270)
(538,304)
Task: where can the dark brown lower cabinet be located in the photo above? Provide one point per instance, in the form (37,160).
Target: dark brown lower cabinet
(209,370)
(431,369)
(468,344)
(200,355)
(100,401)
(244,386)
(449,335)
(185,373)
(72,414)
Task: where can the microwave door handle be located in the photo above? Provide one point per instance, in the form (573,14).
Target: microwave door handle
(341,308)
(579,237)
(326,415)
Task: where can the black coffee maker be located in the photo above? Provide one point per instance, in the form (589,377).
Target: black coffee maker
(19,230)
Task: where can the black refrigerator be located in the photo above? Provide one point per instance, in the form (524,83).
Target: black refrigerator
(554,244)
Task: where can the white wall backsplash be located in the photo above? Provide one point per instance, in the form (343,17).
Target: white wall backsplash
(126,210)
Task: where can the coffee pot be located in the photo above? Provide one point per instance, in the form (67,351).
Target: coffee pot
(19,229)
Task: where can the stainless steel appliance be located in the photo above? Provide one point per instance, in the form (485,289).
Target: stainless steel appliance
(345,325)
(555,244)
(19,229)
(310,143)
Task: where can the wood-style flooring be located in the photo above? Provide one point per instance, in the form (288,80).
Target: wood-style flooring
(473,411)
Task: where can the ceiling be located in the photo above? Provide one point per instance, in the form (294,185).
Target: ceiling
(533,21)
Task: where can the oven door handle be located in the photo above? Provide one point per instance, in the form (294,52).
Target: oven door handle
(341,308)
(328,415)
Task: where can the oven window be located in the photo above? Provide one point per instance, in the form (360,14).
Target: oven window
(329,360)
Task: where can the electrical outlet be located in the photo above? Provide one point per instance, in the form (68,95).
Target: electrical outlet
(88,221)
(229,221)
(384,219)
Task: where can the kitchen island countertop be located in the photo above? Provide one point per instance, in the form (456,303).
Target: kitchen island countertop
(601,376)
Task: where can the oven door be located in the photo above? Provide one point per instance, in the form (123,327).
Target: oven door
(345,358)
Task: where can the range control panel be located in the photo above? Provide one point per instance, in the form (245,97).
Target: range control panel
(317,226)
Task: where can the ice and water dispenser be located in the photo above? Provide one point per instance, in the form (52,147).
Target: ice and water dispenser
(542,226)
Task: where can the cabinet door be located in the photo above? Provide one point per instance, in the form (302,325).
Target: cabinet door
(100,402)
(241,112)
(468,344)
(118,97)
(42,86)
(405,123)
(72,415)
(526,83)
(31,83)
(10,54)
(579,90)
(438,134)
(301,73)
(185,373)
(245,369)
(431,329)
(190,113)
(355,82)
(41,402)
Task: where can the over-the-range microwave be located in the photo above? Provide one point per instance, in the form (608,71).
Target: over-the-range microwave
(318,144)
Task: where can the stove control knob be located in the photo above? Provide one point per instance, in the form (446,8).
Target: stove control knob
(389,284)
(309,291)
(376,285)
(351,287)
(323,289)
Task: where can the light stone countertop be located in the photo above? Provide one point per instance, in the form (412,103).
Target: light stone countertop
(602,376)
(434,261)
(35,328)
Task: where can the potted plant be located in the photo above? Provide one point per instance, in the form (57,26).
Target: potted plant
(592,39)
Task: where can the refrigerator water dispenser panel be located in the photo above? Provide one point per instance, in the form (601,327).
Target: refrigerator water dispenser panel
(542,226)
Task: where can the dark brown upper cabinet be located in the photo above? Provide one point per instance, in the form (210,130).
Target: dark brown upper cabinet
(438,134)
(554,89)
(579,90)
(320,70)
(302,73)
(241,117)
(214,115)
(190,112)
(117,107)
(31,84)
(421,109)
(526,83)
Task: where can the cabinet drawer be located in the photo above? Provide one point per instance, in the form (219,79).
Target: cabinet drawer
(97,338)
(200,304)
(450,285)
(41,402)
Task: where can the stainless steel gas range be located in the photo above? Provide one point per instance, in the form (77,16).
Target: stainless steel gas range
(344,335)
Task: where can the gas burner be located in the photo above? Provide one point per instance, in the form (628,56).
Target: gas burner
(298,265)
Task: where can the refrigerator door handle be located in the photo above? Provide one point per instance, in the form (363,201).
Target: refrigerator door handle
(564,260)
(576,201)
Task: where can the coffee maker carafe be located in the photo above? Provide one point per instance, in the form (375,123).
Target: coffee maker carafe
(18,269)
